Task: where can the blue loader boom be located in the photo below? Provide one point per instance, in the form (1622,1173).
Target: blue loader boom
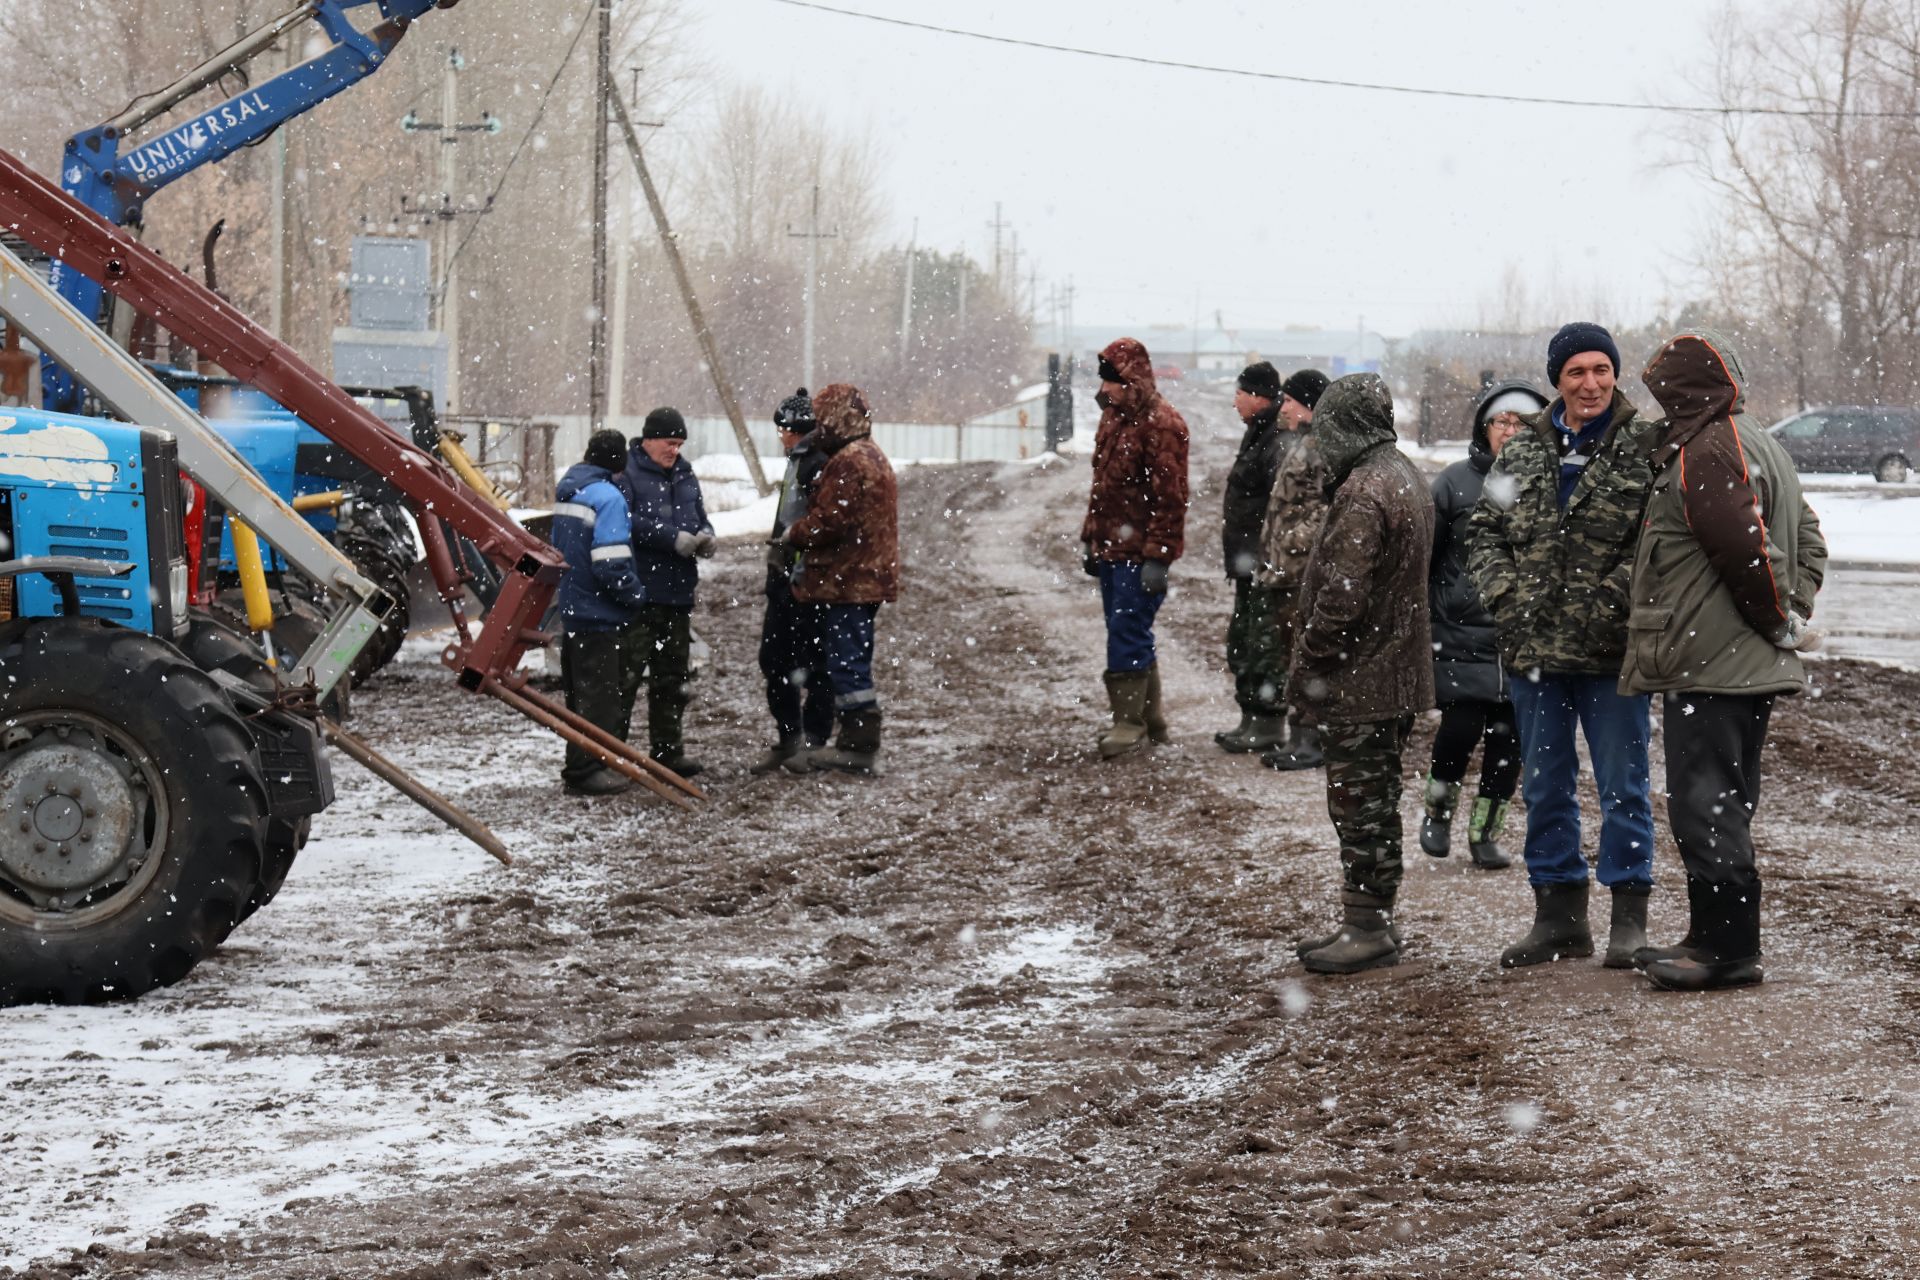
(115,183)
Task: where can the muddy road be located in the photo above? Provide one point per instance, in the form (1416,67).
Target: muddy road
(1006,1012)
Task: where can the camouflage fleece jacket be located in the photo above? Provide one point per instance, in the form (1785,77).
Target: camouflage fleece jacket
(1296,509)
(849,538)
(1364,649)
(1555,578)
(1138,507)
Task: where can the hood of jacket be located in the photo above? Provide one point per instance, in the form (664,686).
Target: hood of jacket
(842,416)
(1129,358)
(1481,448)
(578,477)
(1698,379)
(1353,417)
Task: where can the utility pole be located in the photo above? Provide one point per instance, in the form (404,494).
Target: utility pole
(906,299)
(1033,289)
(622,269)
(813,236)
(702,334)
(597,334)
(998,225)
(966,269)
(445,209)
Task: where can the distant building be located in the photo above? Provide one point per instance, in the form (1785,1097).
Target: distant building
(1213,352)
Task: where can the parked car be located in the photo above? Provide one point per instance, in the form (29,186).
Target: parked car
(1883,442)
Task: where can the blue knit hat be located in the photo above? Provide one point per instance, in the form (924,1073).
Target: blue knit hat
(1575,339)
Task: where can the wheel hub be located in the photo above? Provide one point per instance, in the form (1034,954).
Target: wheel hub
(66,812)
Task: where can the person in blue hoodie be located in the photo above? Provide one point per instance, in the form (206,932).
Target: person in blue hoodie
(670,532)
(600,603)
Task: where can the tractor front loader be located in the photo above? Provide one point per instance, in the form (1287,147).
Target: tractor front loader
(153,786)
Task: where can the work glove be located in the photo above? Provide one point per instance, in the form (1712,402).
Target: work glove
(704,545)
(1088,564)
(1153,577)
(685,544)
(1799,634)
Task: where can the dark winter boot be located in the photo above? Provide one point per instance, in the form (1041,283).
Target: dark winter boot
(1559,927)
(1256,733)
(1484,825)
(801,761)
(1436,826)
(1300,949)
(1627,932)
(1234,740)
(1127,695)
(1365,939)
(600,782)
(777,755)
(1303,752)
(1688,948)
(1729,948)
(1156,715)
(858,750)
(676,759)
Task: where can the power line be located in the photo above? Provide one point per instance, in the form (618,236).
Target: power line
(532,128)
(1327,83)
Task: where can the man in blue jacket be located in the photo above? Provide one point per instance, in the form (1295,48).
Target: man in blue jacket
(600,603)
(670,529)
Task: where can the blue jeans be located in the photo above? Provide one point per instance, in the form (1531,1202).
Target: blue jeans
(847,637)
(1129,613)
(1546,712)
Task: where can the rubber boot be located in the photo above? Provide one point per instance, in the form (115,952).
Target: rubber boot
(777,755)
(600,782)
(1234,740)
(1559,927)
(1303,752)
(679,761)
(1127,694)
(1256,733)
(1483,834)
(1365,939)
(858,749)
(1627,932)
(801,761)
(1436,825)
(1728,954)
(1300,949)
(1688,948)
(1156,715)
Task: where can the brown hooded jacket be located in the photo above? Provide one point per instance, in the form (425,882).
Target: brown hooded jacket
(849,539)
(1138,507)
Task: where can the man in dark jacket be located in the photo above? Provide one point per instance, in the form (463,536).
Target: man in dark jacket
(791,660)
(1469,682)
(1551,554)
(1258,664)
(1729,562)
(849,543)
(1362,662)
(1135,529)
(670,529)
(600,603)
(1295,513)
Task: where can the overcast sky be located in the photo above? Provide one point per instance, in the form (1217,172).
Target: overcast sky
(1274,203)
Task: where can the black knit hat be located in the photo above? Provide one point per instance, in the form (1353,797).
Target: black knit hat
(1306,386)
(608,449)
(1261,379)
(664,424)
(795,413)
(1576,339)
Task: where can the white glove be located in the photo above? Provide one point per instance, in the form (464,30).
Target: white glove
(685,544)
(1798,635)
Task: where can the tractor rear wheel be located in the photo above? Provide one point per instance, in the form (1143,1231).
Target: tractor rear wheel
(391,577)
(133,812)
